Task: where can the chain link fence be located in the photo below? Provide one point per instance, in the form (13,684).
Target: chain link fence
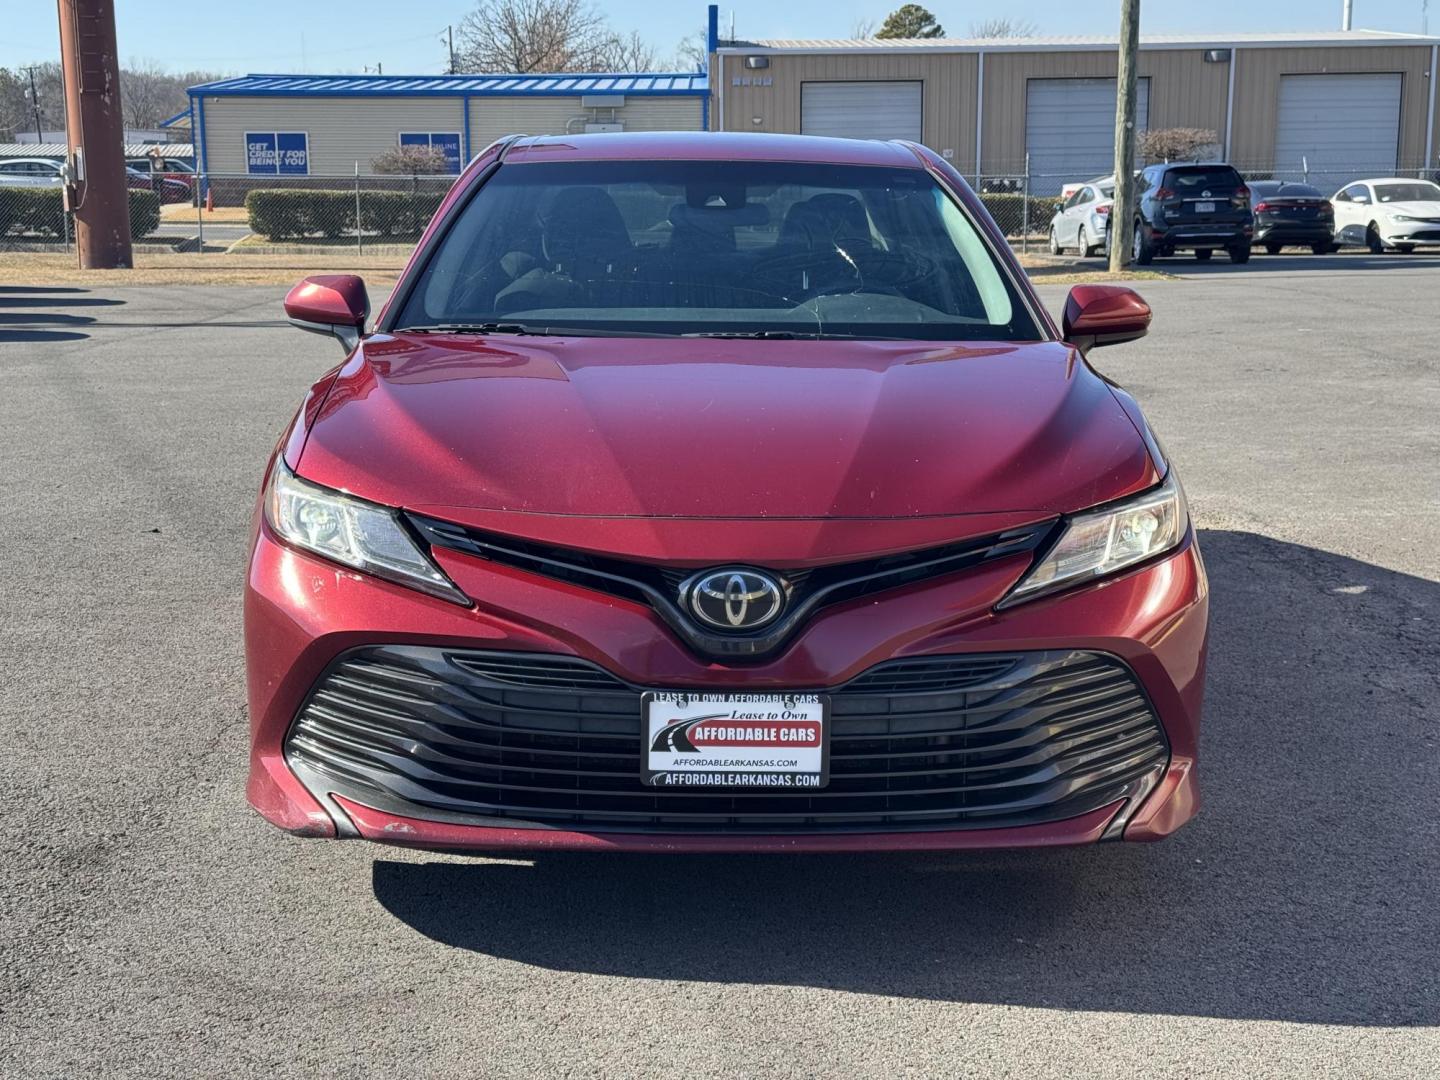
(34,218)
(244,214)
(1023,201)
(371,214)
(364,213)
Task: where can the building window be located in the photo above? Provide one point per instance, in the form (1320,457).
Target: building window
(277,153)
(447,142)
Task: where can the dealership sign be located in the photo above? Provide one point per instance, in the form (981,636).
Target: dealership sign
(447,142)
(277,153)
(705,740)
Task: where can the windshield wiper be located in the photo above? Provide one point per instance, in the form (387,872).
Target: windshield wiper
(784,335)
(467,328)
(776,335)
(525,329)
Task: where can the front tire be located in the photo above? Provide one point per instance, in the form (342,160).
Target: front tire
(1373,241)
(1273,249)
(1323,249)
(1240,253)
(1203,254)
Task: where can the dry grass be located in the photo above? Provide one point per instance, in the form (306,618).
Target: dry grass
(221,215)
(379,270)
(1052,271)
(170,268)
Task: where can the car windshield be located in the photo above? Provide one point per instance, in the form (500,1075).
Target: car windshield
(1419,191)
(770,249)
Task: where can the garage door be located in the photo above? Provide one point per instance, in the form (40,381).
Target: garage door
(1070,129)
(1344,127)
(861,110)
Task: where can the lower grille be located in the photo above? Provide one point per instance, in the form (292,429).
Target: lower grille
(984,739)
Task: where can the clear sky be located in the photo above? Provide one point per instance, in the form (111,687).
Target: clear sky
(406,35)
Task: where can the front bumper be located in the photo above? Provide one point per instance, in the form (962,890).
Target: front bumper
(1410,232)
(302,614)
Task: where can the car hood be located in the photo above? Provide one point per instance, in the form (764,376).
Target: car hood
(1425,209)
(721,429)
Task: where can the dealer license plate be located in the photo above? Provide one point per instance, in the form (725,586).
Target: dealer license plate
(1204,207)
(720,741)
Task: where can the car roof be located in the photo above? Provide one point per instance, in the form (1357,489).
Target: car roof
(1393,180)
(31,160)
(712,146)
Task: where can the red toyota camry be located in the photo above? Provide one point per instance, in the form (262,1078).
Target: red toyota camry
(721,492)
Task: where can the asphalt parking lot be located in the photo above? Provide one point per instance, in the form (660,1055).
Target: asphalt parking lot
(153,926)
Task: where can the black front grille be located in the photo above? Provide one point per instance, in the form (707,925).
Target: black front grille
(936,742)
(806,590)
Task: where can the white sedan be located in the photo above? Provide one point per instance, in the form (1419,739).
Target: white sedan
(29,172)
(1394,214)
(1082,219)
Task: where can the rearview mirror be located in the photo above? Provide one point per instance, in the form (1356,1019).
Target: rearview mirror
(1098,315)
(330,304)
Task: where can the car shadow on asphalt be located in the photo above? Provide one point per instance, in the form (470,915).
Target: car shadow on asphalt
(1305,891)
(40,317)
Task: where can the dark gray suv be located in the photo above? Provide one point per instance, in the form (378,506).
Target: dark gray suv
(1193,207)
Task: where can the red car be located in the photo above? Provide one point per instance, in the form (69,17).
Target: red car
(709,492)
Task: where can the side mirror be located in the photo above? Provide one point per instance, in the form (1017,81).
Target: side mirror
(330,304)
(1098,315)
(1059,206)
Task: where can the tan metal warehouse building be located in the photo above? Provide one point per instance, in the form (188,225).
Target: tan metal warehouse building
(332,125)
(1327,106)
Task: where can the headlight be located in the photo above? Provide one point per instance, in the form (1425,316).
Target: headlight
(1402,217)
(1100,542)
(352,532)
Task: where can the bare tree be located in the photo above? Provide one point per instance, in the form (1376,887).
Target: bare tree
(15,112)
(1002,27)
(631,53)
(148,95)
(863,28)
(531,35)
(1177,144)
(693,52)
(146,92)
(410,161)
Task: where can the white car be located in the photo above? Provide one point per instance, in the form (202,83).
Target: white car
(1393,214)
(29,172)
(1081,221)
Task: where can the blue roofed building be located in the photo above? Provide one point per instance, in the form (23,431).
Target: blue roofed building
(330,125)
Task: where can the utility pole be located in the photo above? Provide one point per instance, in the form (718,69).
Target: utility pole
(96,188)
(1345,15)
(450,47)
(1122,220)
(35,105)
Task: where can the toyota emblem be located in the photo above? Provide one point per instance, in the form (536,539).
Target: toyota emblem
(734,598)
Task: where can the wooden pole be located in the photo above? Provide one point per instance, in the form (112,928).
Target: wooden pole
(95,133)
(1122,213)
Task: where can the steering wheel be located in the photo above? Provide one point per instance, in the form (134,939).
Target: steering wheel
(869,271)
